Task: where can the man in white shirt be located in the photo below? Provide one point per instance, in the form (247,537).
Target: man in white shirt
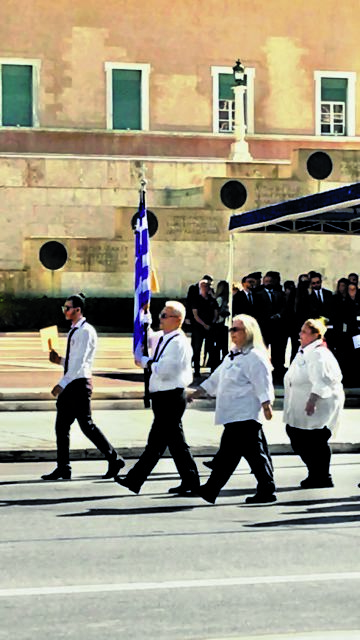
(171,373)
(73,393)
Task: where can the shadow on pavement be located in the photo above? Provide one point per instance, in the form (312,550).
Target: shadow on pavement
(328,506)
(36,502)
(136,511)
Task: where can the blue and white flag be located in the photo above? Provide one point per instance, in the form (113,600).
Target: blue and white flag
(142,274)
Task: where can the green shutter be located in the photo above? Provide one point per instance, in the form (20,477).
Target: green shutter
(226,83)
(17,82)
(126,86)
(333,89)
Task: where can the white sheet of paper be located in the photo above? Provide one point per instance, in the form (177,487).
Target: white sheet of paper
(49,338)
(356,341)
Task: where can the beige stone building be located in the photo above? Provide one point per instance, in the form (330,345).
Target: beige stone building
(94,94)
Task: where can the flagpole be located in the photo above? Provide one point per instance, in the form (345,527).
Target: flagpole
(142,291)
(147,371)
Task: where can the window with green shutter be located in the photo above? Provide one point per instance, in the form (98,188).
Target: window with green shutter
(126,99)
(227,103)
(17,95)
(333,106)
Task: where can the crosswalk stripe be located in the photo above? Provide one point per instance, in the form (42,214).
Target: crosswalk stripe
(177,584)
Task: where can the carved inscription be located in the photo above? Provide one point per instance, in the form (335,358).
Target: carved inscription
(99,257)
(274,192)
(350,170)
(192,228)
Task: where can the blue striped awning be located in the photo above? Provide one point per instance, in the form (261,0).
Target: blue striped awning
(340,200)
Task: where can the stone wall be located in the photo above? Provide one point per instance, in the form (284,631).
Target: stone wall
(87,205)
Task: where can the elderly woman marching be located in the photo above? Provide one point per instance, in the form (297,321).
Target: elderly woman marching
(313,400)
(243,388)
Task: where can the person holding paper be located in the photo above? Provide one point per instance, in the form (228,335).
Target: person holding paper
(313,400)
(73,393)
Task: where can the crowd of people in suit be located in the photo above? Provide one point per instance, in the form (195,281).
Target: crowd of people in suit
(280,309)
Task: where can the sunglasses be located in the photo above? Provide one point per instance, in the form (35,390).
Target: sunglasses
(66,308)
(165,315)
(235,329)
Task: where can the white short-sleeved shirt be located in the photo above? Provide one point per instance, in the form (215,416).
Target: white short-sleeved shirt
(241,385)
(313,370)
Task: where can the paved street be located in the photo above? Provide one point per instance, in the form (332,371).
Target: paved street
(86,559)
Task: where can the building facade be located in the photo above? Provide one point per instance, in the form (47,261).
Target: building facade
(95,95)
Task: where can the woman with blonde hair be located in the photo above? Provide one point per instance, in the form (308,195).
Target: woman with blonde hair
(243,388)
(313,399)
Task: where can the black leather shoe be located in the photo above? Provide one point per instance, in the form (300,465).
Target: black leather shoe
(184,490)
(114,468)
(124,482)
(58,474)
(259,498)
(310,483)
(205,495)
(209,464)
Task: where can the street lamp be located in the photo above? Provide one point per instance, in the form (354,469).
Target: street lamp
(240,148)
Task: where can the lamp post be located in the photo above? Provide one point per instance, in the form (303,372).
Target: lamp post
(240,148)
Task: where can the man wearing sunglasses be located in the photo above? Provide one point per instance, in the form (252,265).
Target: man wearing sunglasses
(171,373)
(73,393)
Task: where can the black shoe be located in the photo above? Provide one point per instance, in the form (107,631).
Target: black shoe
(124,482)
(205,495)
(114,468)
(184,490)
(309,483)
(259,498)
(209,464)
(58,474)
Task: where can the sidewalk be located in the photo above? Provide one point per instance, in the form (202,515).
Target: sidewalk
(27,410)
(29,435)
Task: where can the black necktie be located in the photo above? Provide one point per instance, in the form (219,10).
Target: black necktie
(157,348)
(233,354)
(250,297)
(66,365)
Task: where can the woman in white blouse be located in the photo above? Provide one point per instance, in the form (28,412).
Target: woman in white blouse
(313,400)
(243,388)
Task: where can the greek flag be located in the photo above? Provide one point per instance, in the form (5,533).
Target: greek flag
(142,273)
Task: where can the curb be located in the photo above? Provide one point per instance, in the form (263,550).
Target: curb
(43,455)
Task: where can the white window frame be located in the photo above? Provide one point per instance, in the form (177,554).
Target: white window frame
(145,100)
(350,125)
(35,64)
(250,101)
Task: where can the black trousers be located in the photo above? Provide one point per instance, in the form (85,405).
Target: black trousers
(241,439)
(74,404)
(313,448)
(166,431)
(198,335)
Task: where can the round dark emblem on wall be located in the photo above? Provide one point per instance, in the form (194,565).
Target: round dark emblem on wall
(319,165)
(53,255)
(153,223)
(233,194)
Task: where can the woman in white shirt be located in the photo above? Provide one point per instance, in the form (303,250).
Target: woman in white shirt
(243,388)
(313,400)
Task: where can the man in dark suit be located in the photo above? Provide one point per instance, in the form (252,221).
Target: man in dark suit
(319,302)
(268,310)
(243,301)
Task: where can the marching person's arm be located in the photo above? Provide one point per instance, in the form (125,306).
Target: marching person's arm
(261,379)
(211,384)
(55,357)
(318,376)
